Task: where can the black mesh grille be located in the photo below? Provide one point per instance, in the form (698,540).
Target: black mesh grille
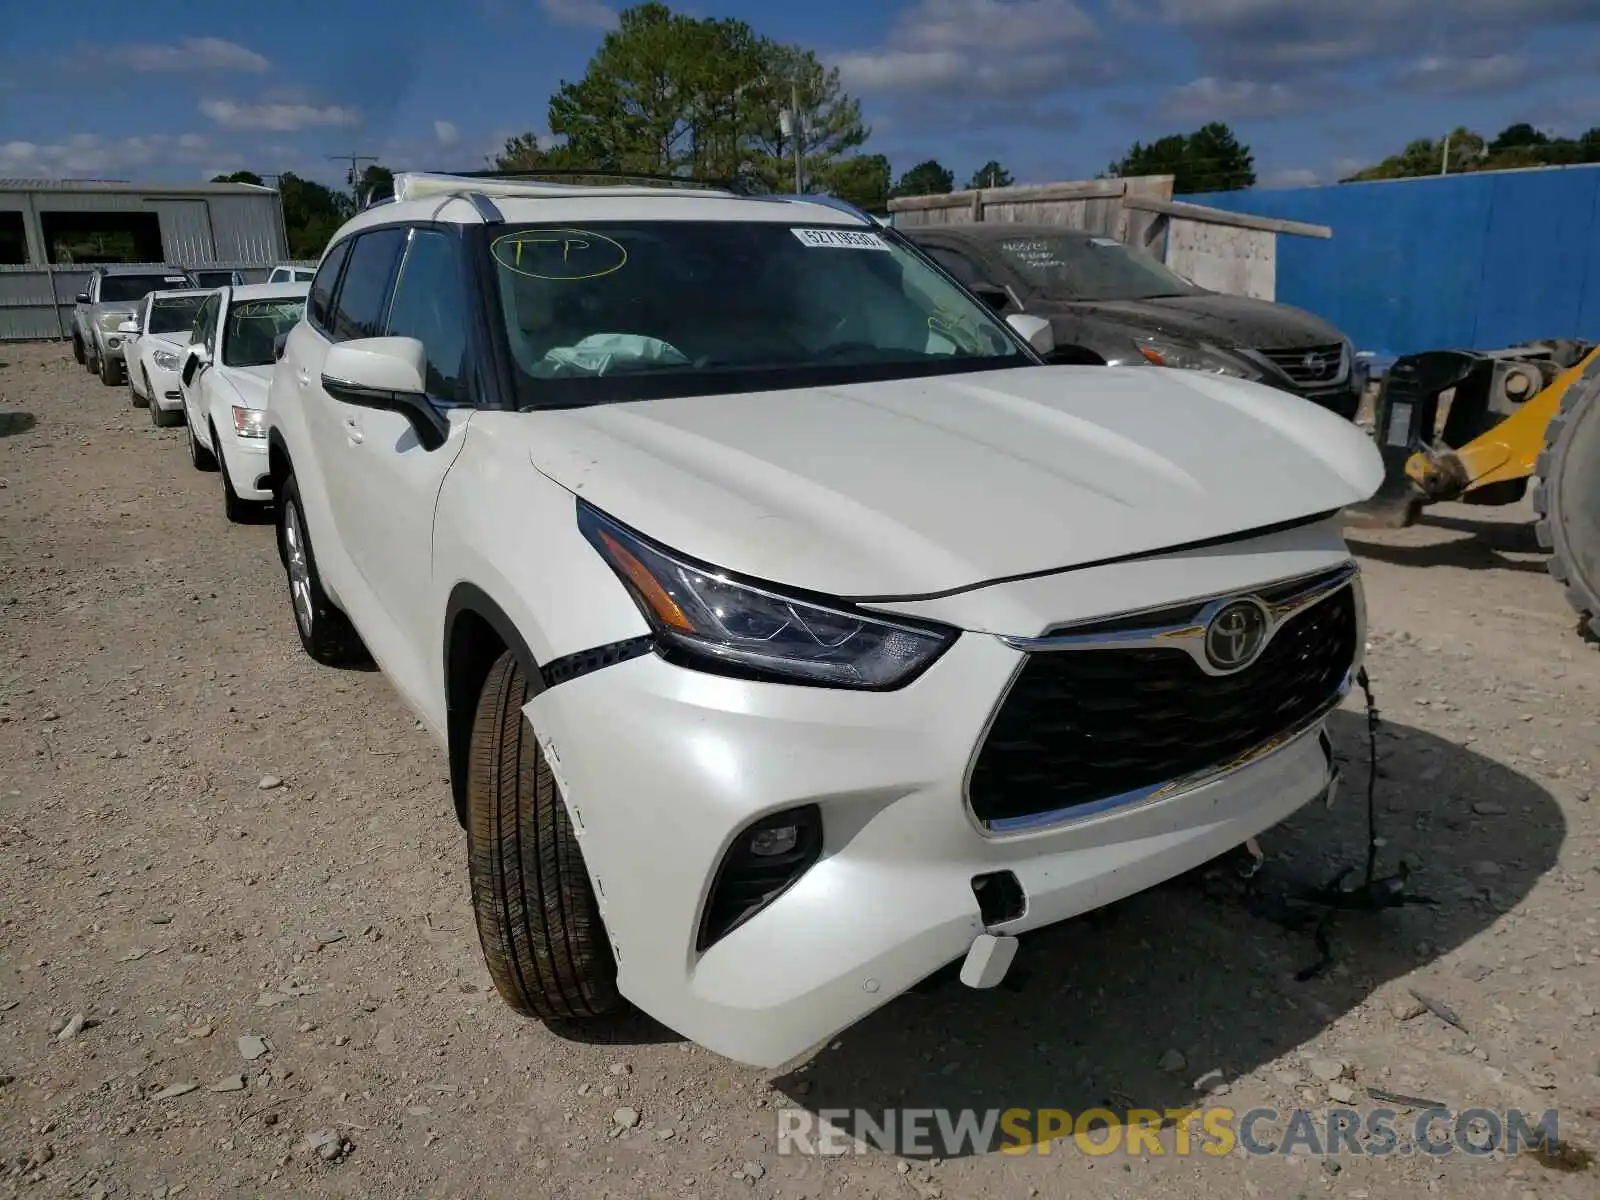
(1085,725)
(1308,366)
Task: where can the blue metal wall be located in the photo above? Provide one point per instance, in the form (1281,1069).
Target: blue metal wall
(1467,261)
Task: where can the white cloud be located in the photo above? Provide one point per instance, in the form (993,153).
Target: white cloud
(280,117)
(993,46)
(586,14)
(1291,177)
(89,155)
(1492,73)
(1261,39)
(446,133)
(189,54)
(1213,99)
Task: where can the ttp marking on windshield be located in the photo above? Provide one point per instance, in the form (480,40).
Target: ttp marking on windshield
(564,255)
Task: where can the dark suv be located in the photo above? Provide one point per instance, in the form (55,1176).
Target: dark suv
(1110,303)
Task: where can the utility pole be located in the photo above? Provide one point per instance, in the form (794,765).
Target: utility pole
(1444,167)
(354,177)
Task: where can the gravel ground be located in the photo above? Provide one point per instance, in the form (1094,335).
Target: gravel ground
(237,954)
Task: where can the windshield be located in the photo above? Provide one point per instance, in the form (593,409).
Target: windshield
(207,279)
(615,312)
(174,316)
(1071,266)
(253,326)
(129,289)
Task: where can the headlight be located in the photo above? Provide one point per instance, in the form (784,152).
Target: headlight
(164,359)
(249,422)
(707,621)
(1193,357)
(109,322)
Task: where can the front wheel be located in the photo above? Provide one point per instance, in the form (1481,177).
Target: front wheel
(199,457)
(540,926)
(134,398)
(109,374)
(326,633)
(77,350)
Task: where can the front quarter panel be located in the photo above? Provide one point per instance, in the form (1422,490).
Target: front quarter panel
(513,534)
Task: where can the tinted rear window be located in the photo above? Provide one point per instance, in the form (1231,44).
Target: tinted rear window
(125,289)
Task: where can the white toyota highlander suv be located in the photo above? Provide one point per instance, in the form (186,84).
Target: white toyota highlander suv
(794,629)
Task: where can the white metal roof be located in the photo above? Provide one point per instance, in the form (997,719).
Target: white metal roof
(129,186)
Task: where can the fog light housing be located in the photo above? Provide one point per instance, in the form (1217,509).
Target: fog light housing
(763,862)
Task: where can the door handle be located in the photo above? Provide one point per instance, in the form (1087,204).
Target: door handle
(304,377)
(352,431)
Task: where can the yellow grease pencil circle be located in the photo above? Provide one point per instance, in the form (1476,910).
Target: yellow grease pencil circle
(579,254)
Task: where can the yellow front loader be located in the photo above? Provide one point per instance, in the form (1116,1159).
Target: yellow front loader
(1478,427)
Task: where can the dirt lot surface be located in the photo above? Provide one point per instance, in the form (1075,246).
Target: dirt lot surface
(237,955)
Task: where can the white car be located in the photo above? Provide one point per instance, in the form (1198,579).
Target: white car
(793,629)
(226,372)
(285,273)
(153,344)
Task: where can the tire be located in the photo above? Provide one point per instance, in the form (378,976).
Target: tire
(89,363)
(237,510)
(326,633)
(159,417)
(1567,498)
(199,457)
(110,375)
(77,350)
(540,927)
(134,398)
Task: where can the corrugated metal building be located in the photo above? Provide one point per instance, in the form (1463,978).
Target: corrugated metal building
(53,231)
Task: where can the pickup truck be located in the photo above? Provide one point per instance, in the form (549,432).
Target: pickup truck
(111,297)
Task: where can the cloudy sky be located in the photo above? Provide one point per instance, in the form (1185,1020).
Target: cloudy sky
(1055,89)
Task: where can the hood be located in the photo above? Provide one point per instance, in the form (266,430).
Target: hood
(251,384)
(177,339)
(1230,322)
(896,489)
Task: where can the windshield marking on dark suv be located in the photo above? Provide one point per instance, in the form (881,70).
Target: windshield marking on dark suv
(724,306)
(1078,266)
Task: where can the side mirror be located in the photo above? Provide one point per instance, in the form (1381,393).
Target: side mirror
(1035,331)
(128,327)
(83,297)
(996,298)
(386,373)
(194,358)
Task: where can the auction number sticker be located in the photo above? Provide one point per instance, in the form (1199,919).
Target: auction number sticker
(839,239)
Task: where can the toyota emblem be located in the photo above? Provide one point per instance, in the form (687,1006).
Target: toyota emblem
(1236,635)
(1314,363)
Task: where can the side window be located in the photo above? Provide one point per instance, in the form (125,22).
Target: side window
(363,293)
(209,333)
(319,305)
(204,322)
(430,305)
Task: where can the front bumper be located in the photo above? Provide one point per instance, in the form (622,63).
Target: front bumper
(165,392)
(245,461)
(662,767)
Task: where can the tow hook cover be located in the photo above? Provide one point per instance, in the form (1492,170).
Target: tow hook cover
(988,960)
